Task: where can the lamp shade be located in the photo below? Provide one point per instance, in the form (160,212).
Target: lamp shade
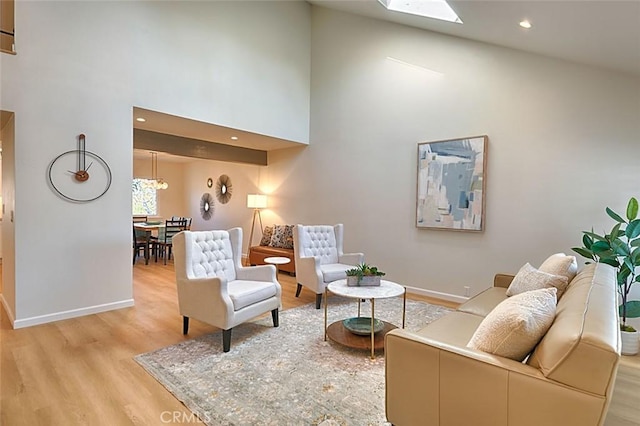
(256,201)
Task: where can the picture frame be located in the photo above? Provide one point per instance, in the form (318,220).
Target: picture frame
(451,184)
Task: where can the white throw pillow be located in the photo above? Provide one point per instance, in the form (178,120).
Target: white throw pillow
(529,278)
(560,264)
(515,326)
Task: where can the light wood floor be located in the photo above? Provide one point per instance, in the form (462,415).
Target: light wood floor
(81,371)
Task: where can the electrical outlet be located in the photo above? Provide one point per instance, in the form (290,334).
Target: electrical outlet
(467,291)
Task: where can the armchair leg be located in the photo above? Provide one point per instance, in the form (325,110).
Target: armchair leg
(274,317)
(318,300)
(226,340)
(298,289)
(185,325)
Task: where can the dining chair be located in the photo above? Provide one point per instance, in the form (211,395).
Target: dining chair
(188,219)
(140,218)
(140,243)
(164,244)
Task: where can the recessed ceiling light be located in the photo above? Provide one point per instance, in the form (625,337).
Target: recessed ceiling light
(525,24)
(140,119)
(437,9)
(234,138)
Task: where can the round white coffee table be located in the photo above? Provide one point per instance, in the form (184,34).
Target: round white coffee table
(356,334)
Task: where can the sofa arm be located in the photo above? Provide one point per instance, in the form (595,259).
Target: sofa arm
(431,383)
(502,280)
(351,258)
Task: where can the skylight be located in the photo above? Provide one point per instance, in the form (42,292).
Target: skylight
(437,9)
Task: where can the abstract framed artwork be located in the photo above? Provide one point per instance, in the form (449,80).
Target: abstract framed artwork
(451,184)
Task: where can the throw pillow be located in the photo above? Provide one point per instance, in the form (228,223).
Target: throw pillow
(529,278)
(560,264)
(288,244)
(266,236)
(515,326)
(282,236)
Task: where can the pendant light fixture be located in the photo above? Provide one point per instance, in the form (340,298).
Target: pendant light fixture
(159,182)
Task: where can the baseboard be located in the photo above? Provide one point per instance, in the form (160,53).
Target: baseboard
(437,294)
(6,309)
(74,313)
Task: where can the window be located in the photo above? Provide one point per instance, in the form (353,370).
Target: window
(145,200)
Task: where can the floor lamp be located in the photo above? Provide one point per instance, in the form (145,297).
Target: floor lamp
(255,202)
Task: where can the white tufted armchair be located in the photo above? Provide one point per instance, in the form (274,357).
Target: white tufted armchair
(319,257)
(215,288)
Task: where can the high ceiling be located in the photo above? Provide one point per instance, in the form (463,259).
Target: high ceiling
(604,33)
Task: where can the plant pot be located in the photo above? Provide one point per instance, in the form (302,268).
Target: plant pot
(630,342)
(368,280)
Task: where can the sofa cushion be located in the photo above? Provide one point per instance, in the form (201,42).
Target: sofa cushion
(517,324)
(483,303)
(560,264)
(455,328)
(282,236)
(529,278)
(266,236)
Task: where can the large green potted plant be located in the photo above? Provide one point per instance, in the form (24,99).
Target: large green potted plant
(620,248)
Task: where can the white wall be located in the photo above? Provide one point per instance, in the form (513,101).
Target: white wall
(563,144)
(80,68)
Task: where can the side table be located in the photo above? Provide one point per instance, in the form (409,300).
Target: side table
(276,260)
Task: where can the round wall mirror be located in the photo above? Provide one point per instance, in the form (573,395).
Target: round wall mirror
(206,206)
(224,189)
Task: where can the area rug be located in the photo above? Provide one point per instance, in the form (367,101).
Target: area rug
(287,375)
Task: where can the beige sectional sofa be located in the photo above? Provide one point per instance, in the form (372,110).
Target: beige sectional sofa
(433,378)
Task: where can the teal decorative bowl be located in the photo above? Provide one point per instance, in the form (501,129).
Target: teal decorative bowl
(362,325)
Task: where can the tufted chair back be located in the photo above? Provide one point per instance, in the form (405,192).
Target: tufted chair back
(323,242)
(210,254)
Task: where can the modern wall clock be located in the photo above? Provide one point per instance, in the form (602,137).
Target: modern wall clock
(224,189)
(79,175)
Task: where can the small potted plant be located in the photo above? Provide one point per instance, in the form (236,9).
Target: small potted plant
(364,275)
(620,248)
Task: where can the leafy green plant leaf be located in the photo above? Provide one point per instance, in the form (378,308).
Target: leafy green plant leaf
(595,236)
(610,261)
(600,246)
(615,232)
(584,252)
(587,241)
(620,248)
(633,229)
(632,209)
(615,216)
